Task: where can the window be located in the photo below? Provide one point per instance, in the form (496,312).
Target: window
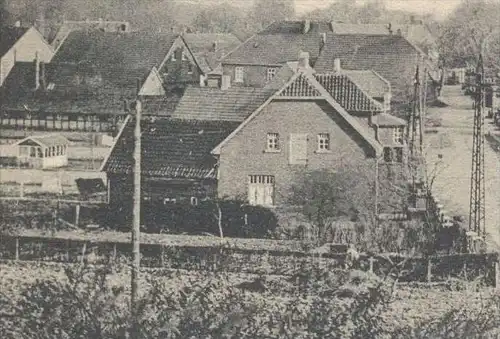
(46,152)
(190,69)
(323,142)
(273,142)
(33,152)
(39,153)
(397,135)
(24,151)
(298,149)
(261,190)
(393,155)
(194,201)
(173,57)
(53,151)
(183,56)
(271,72)
(238,74)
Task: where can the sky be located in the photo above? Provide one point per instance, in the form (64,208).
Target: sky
(440,8)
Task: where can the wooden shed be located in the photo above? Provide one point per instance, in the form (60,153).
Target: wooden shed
(43,151)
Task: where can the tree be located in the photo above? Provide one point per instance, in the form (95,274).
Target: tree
(223,18)
(265,12)
(473,28)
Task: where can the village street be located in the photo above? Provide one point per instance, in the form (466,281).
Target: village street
(448,152)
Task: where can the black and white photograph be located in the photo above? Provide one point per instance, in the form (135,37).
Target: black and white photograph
(250,169)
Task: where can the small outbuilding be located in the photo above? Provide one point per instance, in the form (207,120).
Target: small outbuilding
(43,151)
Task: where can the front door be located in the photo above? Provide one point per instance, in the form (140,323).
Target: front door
(261,190)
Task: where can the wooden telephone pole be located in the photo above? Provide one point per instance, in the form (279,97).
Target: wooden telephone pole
(136,225)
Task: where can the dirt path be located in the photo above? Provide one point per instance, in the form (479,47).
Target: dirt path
(449,155)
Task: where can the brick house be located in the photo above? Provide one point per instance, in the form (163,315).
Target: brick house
(257,60)
(314,122)
(21,44)
(391,56)
(164,54)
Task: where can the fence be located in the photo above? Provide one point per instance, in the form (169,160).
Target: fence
(244,256)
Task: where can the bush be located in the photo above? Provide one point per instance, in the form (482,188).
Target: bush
(238,219)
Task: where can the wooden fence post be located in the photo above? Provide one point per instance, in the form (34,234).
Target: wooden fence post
(162,258)
(77,214)
(84,248)
(17,248)
(429,270)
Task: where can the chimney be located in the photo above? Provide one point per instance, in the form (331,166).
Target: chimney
(225,83)
(387,102)
(323,40)
(202,80)
(214,46)
(37,71)
(17,24)
(303,61)
(307,26)
(336,65)
(389,27)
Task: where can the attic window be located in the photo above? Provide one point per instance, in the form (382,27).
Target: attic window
(173,57)
(190,69)
(183,56)
(271,72)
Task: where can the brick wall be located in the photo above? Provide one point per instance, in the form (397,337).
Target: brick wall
(253,75)
(245,154)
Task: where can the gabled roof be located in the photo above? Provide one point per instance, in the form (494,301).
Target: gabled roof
(391,56)
(232,104)
(9,36)
(347,93)
(304,86)
(369,81)
(128,50)
(202,46)
(170,148)
(72,88)
(274,49)
(47,140)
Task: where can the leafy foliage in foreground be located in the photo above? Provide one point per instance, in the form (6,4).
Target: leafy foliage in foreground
(317,304)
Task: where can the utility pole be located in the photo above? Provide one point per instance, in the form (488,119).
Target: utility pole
(477,189)
(136,226)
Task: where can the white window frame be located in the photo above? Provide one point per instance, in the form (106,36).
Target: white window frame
(270,73)
(183,56)
(190,68)
(323,145)
(393,155)
(239,74)
(273,144)
(398,135)
(172,57)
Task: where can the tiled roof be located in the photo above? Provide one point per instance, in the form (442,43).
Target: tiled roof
(371,29)
(171,148)
(9,36)
(347,93)
(274,49)
(232,104)
(71,88)
(391,56)
(384,119)
(128,50)
(369,81)
(47,140)
(202,47)
(296,27)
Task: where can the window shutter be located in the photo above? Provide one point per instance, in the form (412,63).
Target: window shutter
(298,149)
